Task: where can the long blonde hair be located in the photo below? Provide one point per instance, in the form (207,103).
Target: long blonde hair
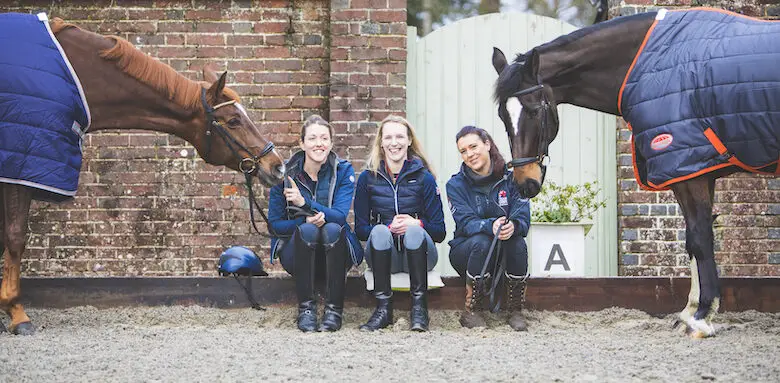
(415,149)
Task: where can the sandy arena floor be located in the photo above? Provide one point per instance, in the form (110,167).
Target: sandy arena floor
(206,344)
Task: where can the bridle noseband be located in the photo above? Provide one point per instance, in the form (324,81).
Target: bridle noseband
(247,165)
(544,133)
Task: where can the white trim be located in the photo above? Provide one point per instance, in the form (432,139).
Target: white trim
(38,186)
(44,19)
(661,14)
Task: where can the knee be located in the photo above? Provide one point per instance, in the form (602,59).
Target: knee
(331,233)
(414,237)
(381,237)
(480,243)
(308,232)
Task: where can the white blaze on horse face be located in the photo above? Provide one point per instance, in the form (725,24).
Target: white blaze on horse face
(514,107)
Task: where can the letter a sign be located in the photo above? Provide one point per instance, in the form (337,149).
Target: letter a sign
(556,250)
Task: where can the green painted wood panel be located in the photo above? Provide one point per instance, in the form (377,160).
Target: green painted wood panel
(450,82)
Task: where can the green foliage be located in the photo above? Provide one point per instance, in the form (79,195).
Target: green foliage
(568,203)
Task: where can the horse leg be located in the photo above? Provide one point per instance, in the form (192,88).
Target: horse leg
(2,248)
(16,209)
(696,199)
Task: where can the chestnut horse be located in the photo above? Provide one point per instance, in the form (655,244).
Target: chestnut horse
(126,89)
(699,89)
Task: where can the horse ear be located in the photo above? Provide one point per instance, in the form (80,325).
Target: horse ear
(534,61)
(216,89)
(209,75)
(499,60)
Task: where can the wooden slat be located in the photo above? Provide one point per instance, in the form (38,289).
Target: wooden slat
(654,295)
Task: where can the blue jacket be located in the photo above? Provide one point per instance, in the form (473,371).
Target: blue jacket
(334,198)
(474,212)
(43,111)
(704,94)
(378,200)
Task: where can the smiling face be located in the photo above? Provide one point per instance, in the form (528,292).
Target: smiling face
(395,142)
(316,143)
(475,153)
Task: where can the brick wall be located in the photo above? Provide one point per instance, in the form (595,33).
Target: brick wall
(651,226)
(143,207)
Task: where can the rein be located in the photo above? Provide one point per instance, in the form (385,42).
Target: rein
(247,165)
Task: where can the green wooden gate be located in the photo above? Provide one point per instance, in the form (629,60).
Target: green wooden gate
(450,83)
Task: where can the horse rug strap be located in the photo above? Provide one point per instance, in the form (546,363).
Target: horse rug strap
(43,110)
(703,94)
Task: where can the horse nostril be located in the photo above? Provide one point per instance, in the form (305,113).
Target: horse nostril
(532,187)
(280,170)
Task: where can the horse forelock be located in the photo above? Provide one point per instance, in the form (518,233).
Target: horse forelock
(508,81)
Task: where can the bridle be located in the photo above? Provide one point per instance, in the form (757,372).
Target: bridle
(544,132)
(247,165)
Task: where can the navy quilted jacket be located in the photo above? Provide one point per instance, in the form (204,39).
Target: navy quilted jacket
(378,200)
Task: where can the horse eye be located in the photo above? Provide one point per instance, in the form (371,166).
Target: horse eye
(234,122)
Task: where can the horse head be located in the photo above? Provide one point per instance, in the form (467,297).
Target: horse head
(230,138)
(529,112)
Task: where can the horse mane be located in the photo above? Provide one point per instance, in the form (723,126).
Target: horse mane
(150,71)
(509,80)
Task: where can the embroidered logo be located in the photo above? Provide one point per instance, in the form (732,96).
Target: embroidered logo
(502,200)
(452,208)
(661,141)
(352,179)
(437,191)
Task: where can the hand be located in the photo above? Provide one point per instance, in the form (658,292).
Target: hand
(293,194)
(506,231)
(317,219)
(401,222)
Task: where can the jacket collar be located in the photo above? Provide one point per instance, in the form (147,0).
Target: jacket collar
(411,165)
(295,163)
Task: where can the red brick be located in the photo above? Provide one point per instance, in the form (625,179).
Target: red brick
(198,39)
(271,27)
(348,15)
(385,16)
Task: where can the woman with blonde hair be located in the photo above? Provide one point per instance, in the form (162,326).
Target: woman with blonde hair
(398,211)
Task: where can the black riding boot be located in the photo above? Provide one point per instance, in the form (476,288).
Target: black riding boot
(418,288)
(336,261)
(304,284)
(383,314)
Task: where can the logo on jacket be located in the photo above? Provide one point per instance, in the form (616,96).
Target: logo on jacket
(502,200)
(452,209)
(661,141)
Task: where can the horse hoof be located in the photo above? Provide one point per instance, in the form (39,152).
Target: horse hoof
(698,334)
(24,328)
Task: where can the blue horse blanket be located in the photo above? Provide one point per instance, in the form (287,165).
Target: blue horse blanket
(43,111)
(704,94)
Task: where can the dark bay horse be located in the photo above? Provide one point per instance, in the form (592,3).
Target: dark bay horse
(126,89)
(700,91)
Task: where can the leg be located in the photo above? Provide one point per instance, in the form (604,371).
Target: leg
(417,255)
(696,199)
(334,239)
(379,257)
(16,209)
(470,255)
(304,244)
(515,251)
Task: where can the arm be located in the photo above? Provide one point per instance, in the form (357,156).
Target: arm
(363,224)
(467,222)
(342,200)
(276,213)
(520,213)
(433,212)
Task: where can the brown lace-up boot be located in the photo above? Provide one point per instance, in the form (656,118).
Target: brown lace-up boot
(515,294)
(472,316)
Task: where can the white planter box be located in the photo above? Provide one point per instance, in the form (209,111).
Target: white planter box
(557,249)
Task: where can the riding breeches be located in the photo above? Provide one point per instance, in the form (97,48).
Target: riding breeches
(471,255)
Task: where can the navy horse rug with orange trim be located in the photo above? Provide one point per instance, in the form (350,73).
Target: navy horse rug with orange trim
(43,111)
(704,94)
